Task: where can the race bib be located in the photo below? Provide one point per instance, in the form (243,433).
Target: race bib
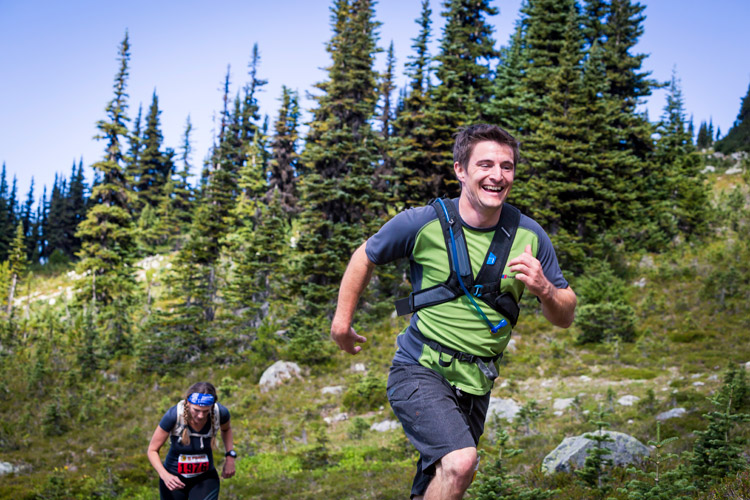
(192,465)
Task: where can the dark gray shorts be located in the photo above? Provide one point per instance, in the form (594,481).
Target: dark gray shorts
(436,417)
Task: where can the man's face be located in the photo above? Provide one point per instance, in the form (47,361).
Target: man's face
(488,177)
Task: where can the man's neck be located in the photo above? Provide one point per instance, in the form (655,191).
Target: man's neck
(477,218)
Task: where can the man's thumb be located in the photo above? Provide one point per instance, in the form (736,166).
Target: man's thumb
(528,250)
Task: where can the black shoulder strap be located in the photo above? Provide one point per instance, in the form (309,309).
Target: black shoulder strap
(454,222)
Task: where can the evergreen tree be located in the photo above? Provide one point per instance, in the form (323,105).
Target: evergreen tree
(467,52)
(250,107)
(107,246)
(5,228)
(659,484)
(506,106)
(183,194)
(27,219)
(56,224)
(17,263)
(384,170)
(339,204)
(75,207)
(494,481)
(738,137)
(718,450)
(133,158)
(703,140)
(682,195)
(155,166)
(595,474)
(282,178)
(417,180)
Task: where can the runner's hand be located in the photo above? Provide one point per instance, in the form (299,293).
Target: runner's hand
(529,272)
(346,338)
(173,482)
(228,470)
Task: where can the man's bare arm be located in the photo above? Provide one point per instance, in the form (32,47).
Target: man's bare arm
(356,277)
(558,304)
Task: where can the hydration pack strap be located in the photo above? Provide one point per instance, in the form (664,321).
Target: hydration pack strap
(486,364)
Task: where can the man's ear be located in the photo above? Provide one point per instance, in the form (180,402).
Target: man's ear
(460,172)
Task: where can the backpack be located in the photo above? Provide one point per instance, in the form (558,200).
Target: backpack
(180,425)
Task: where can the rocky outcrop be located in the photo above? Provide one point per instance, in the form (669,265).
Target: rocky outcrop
(278,373)
(571,453)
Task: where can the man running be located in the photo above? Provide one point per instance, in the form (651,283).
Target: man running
(471,259)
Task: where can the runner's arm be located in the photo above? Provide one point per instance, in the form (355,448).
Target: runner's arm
(226,436)
(558,304)
(356,277)
(157,440)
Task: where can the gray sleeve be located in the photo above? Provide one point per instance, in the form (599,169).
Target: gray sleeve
(546,254)
(396,238)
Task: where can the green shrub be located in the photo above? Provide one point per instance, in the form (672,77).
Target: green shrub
(605,322)
(366,394)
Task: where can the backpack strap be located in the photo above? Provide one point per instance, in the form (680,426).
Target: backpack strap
(487,283)
(180,425)
(486,364)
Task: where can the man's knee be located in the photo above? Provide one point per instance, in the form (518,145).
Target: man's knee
(459,466)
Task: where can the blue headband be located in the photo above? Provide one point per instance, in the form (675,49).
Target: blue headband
(200,399)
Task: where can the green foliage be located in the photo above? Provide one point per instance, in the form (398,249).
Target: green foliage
(528,417)
(717,451)
(366,393)
(495,482)
(659,484)
(738,137)
(358,428)
(595,473)
(604,315)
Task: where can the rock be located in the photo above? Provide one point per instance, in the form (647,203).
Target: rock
(708,169)
(673,413)
(385,426)
(647,262)
(511,347)
(339,417)
(584,378)
(698,384)
(640,283)
(504,408)
(7,468)
(332,389)
(628,400)
(562,403)
(277,373)
(734,170)
(572,452)
(359,368)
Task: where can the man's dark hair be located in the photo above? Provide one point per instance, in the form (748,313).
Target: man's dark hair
(468,137)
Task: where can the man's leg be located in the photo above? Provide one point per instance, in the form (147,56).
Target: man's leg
(453,475)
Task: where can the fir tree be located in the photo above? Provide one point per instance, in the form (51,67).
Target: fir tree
(494,481)
(17,263)
(5,228)
(384,170)
(282,176)
(250,107)
(107,245)
(27,219)
(414,154)
(659,484)
(182,193)
(75,206)
(703,140)
(133,157)
(467,52)
(738,137)
(339,204)
(594,473)
(677,178)
(155,166)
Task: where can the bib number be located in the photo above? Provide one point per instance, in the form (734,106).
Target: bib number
(192,465)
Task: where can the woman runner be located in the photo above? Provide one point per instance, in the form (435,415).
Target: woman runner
(188,471)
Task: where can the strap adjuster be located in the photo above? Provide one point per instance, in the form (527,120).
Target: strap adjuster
(478,290)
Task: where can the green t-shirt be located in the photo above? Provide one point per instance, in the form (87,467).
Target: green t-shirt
(417,235)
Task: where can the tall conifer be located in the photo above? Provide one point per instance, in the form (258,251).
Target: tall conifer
(467,54)
(339,204)
(106,234)
(738,137)
(282,179)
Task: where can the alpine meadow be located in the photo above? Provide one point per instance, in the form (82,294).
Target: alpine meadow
(118,292)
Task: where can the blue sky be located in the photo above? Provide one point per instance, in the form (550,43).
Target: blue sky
(58,63)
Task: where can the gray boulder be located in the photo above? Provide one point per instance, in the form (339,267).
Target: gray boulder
(385,426)
(504,408)
(571,453)
(278,373)
(673,413)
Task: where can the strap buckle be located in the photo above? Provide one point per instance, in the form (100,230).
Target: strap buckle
(477,290)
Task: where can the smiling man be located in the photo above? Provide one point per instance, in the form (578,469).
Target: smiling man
(471,259)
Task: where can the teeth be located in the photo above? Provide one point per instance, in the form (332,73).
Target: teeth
(493,188)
